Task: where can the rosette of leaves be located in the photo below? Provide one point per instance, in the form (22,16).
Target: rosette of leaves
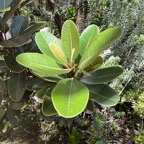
(16,36)
(72,66)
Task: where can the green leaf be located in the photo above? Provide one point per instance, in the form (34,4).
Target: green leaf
(40,93)
(58,53)
(102,75)
(95,64)
(4,5)
(47,106)
(99,44)
(19,24)
(43,39)
(12,64)
(87,37)
(3,67)
(46,77)
(70,40)
(31,82)
(16,86)
(2,112)
(70,97)
(33,28)
(17,105)
(15,42)
(42,84)
(41,63)
(103,94)
(32,46)
(13,7)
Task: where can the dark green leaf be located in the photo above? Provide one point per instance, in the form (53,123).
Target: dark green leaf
(3,67)
(16,86)
(47,106)
(1,97)
(40,93)
(15,42)
(102,75)
(17,105)
(11,63)
(42,84)
(19,24)
(13,7)
(30,30)
(4,4)
(31,82)
(12,116)
(103,94)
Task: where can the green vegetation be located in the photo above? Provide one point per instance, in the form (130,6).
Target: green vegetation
(72,71)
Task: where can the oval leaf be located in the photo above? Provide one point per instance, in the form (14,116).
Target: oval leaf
(4,4)
(102,75)
(99,44)
(43,39)
(70,97)
(16,86)
(87,37)
(12,64)
(41,63)
(19,24)
(47,106)
(103,95)
(70,40)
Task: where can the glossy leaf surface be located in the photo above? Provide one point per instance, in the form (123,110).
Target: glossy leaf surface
(41,63)
(12,64)
(87,37)
(102,75)
(70,97)
(43,39)
(13,7)
(103,94)
(70,39)
(19,24)
(101,42)
(16,86)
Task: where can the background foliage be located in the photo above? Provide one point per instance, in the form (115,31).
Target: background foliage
(122,123)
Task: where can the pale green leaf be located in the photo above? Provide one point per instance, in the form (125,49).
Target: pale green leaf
(70,97)
(43,39)
(99,44)
(41,63)
(70,40)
